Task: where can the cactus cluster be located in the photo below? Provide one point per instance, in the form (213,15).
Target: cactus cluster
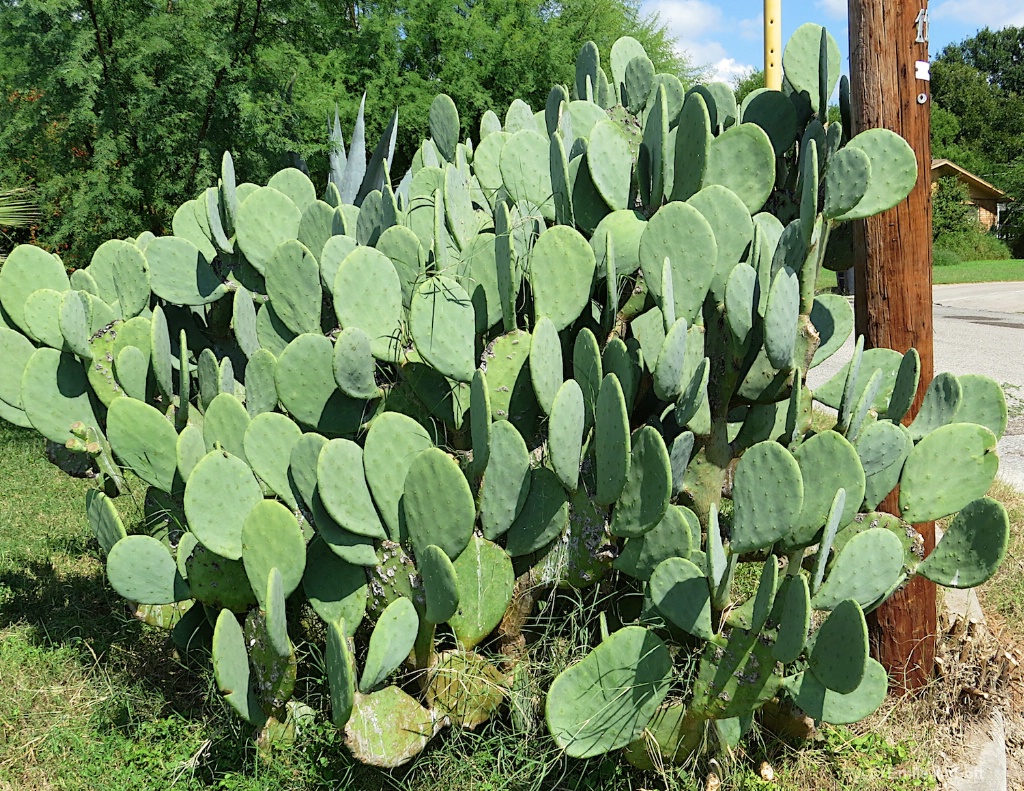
(572,353)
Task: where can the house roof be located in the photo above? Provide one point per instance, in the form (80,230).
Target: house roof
(945,167)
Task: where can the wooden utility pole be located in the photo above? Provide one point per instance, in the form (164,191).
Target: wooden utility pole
(773,45)
(890,88)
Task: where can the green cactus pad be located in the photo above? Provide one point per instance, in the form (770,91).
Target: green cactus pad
(231,669)
(524,171)
(336,590)
(794,619)
(692,145)
(319,222)
(104,519)
(612,444)
(623,359)
(561,271)
(832,317)
(271,332)
(545,363)
(742,159)
(437,506)
(256,237)
(390,643)
(654,148)
(216,581)
(893,172)
(225,423)
(487,159)
(218,496)
(768,495)
(586,368)
(190,223)
(119,271)
(506,482)
(293,285)
(268,443)
(609,160)
(444,125)
(941,403)
(604,702)
(272,539)
(42,318)
(480,421)
(74,322)
(295,185)
(983,403)
(827,462)
(971,548)
(305,385)
(669,370)
(740,301)
(883,448)
(440,584)
(625,228)
(847,180)
(341,674)
(181,274)
(393,443)
(486,581)
(839,657)
(465,688)
(388,728)
(565,434)
(509,378)
(544,516)
(645,496)
(780,319)
(354,369)
(904,389)
(868,565)
(343,489)
(825,705)
(25,270)
(403,247)
(969,449)
(144,440)
(680,592)
(55,394)
(141,569)
(638,80)
(801,62)
(477,273)
(672,537)
(732,226)
(442,324)
(675,228)
(15,351)
(887,361)
(190,448)
(774,112)
(368,294)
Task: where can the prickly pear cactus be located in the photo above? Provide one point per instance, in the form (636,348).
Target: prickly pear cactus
(574,353)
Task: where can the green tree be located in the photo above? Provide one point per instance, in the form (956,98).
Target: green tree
(116,112)
(952,212)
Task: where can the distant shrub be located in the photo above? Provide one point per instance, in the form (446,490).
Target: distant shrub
(942,256)
(973,246)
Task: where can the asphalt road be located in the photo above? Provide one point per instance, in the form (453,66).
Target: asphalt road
(979,328)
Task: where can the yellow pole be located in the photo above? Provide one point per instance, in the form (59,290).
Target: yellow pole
(773,44)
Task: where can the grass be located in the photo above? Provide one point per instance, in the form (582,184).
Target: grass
(93,699)
(979,272)
(967,272)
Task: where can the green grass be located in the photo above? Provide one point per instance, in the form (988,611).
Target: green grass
(979,272)
(968,272)
(93,699)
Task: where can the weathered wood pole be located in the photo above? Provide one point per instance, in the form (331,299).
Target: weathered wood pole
(890,88)
(773,45)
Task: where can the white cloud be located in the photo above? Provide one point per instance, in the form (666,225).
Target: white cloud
(834,8)
(981,13)
(697,25)
(730,70)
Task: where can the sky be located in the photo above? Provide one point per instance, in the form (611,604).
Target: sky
(727,35)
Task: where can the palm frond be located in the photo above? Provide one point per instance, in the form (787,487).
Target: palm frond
(17,209)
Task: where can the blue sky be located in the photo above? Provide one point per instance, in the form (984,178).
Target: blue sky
(726,35)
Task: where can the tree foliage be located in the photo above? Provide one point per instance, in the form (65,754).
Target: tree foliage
(118,112)
(978,115)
